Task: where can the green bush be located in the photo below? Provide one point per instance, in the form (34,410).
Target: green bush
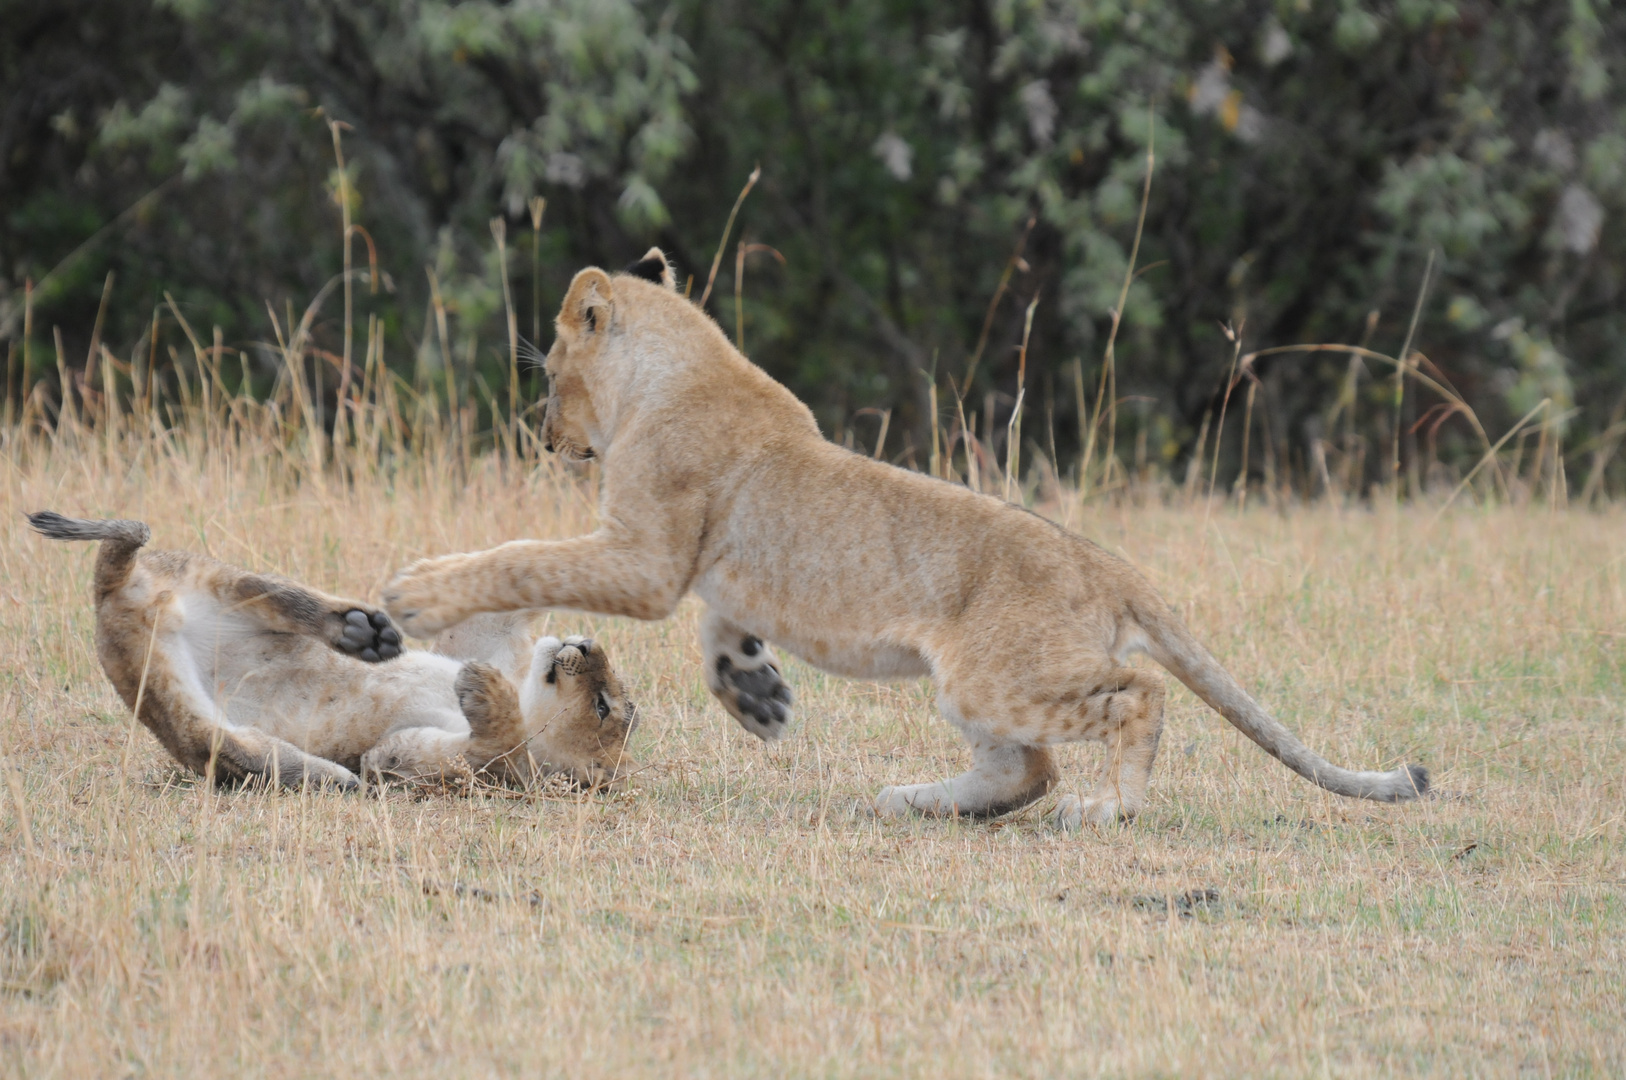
(1312,159)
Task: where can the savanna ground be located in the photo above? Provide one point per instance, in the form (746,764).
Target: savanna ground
(736,914)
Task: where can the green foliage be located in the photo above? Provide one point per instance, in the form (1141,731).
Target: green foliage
(1309,160)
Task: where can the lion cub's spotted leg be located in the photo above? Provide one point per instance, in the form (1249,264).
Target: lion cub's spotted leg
(162,675)
(1128,717)
(743,673)
(1004,776)
(249,754)
(290,608)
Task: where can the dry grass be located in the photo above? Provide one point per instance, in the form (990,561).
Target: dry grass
(736,916)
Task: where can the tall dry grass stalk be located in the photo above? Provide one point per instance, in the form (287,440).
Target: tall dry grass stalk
(728,227)
(538,206)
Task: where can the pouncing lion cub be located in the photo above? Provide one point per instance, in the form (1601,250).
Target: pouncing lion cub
(716,480)
(246,676)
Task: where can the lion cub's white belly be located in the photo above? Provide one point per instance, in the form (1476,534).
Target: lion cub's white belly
(298,689)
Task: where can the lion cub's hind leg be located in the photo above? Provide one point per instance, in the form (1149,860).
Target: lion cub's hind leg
(247,754)
(288,607)
(744,675)
(1004,776)
(196,727)
(1126,714)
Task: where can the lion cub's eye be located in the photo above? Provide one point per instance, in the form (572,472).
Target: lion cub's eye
(603,706)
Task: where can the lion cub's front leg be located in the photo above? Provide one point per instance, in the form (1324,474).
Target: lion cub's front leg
(494,743)
(608,572)
(743,673)
(433,594)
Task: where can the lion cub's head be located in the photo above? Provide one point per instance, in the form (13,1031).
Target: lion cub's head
(569,716)
(573,422)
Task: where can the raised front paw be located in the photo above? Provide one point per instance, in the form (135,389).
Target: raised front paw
(423,600)
(490,704)
(368,635)
(745,677)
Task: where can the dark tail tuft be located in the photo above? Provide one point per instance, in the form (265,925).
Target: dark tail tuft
(54,525)
(1419,779)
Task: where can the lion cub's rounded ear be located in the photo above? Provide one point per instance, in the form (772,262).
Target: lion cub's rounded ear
(587,305)
(654,267)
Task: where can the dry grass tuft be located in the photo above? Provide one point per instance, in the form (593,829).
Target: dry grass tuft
(735,915)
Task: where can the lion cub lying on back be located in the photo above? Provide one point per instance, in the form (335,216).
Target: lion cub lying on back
(244,676)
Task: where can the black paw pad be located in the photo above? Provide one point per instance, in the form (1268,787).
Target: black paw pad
(751,645)
(765,711)
(369,636)
(760,694)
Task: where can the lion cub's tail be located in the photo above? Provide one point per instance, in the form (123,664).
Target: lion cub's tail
(54,525)
(120,542)
(1173,646)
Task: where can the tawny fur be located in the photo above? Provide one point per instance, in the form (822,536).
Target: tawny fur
(244,676)
(716,480)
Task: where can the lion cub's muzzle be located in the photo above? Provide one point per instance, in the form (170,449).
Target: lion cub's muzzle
(564,447)
(569,450)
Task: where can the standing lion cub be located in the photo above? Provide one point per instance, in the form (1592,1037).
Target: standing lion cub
(717,481)
(244,676)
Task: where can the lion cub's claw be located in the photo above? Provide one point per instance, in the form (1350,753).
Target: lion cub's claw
(415,601)
(369,636)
